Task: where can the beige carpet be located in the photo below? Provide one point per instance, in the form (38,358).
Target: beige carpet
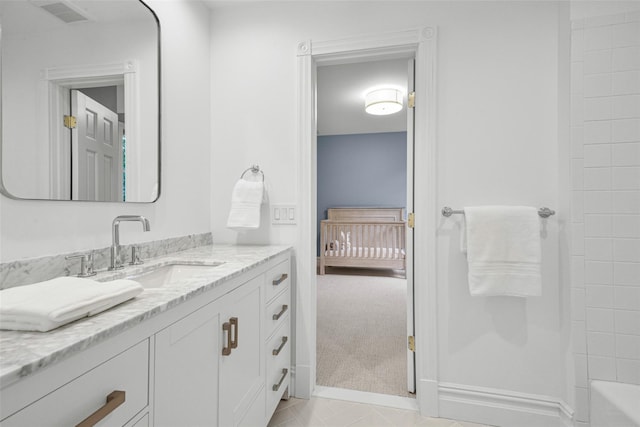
(361,333)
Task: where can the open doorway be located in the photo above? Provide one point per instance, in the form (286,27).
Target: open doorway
(364,192)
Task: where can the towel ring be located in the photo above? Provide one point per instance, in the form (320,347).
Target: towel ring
(253,169)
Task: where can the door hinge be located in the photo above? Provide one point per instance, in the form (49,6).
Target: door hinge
(70,122)
(411,220)
(411,100)
(412,343)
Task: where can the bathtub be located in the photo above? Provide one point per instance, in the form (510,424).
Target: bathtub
(615,404)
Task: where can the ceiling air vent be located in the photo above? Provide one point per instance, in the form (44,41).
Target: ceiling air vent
(63,11)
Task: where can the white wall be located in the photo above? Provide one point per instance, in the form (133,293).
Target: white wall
(38,228)
(499,89)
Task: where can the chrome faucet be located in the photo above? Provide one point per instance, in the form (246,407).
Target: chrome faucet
(116,262)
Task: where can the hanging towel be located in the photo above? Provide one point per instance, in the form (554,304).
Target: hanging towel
(503,250)
(245,205)
(50,304)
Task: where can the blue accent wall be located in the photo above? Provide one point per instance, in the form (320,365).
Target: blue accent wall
(361,170)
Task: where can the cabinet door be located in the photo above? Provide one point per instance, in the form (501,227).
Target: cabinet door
(242,370)
(186,370)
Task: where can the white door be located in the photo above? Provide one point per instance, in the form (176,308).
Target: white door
(411,377)
(96,172)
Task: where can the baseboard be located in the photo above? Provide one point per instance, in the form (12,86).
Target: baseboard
(369,398)
(428,398)
(501,407)
(301,382)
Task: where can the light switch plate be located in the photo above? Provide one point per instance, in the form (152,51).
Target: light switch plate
(284,214)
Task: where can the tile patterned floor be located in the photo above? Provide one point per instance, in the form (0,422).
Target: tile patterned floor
(320,412)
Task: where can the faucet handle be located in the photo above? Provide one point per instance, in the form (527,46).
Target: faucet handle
(135,256)
(86,264)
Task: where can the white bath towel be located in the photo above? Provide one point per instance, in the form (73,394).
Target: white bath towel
(246,200)
(503,250)
(50,304)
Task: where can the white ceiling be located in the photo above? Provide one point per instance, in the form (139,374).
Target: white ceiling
(341,90)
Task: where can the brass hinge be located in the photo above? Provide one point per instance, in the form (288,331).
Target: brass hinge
(411,220)
(70,122)
(412,343)
(411,100)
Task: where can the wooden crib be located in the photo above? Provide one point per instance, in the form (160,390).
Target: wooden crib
(363,237)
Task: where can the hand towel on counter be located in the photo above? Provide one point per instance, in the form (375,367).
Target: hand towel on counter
(503,250)
(245,205)
(50,304)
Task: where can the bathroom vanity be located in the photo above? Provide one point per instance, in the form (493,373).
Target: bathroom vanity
(208,348)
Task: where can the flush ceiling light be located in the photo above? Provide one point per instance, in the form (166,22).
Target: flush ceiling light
(381,102)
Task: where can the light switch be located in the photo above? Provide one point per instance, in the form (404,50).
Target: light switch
(283,214)
(276,214)
(292,214)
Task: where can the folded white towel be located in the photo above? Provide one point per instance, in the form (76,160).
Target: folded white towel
(245,205)
(47,305)
(503,250)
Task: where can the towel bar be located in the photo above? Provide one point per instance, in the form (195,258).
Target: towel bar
(253,169)
(544,212)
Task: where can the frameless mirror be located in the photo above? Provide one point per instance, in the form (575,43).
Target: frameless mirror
(80,100)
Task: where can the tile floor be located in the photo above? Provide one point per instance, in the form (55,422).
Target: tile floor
(320,412)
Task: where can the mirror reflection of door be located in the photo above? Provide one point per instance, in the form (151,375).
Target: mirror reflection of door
(96,151)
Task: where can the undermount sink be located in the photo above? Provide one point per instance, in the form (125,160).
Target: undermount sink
(166,275)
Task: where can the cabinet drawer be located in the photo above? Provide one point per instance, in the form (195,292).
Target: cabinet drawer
(76,400)
(277,380)
(278,278)
(277,311)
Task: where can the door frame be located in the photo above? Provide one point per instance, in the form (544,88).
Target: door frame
(421,43)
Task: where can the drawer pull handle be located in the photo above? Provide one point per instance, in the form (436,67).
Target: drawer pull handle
(226,327)
(281,279)
(234,324)
(114,399)
(276,387)
(279,349)
(279,315)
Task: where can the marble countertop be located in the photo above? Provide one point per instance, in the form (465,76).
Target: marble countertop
(22,353)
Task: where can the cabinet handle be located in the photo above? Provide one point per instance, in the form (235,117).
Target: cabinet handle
(226,327)
(279,315)
(277,350)
(276,387)
(281,279)
(234,324)
(114,399)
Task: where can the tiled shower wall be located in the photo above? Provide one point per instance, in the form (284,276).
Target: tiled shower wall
(605,134)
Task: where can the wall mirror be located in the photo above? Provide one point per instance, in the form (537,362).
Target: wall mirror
(80,100)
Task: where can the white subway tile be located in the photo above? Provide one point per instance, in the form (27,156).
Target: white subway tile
(602,368)
(624,59)
(625,130)
(577,272)
(598,272)
(601,344)
(599,296)
(624,202)
(577,136)
(598,226)
(598,202)
(578,304)
(627,34)
(598,62)
(577,206)
(626,297)
(625,154)
(598,249)
(626,250)
(628,371)
(598,108)
(577,238)
(626,322)
(626,106)
(597,38)
(600,320)
(597,132)
(596,178)
(597,155)
(626,273)
(625,226)
(597,85)
(625,178)
(599,20)
(577,174)
(623,83)
(628,346)
(579,337)
(580,367)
